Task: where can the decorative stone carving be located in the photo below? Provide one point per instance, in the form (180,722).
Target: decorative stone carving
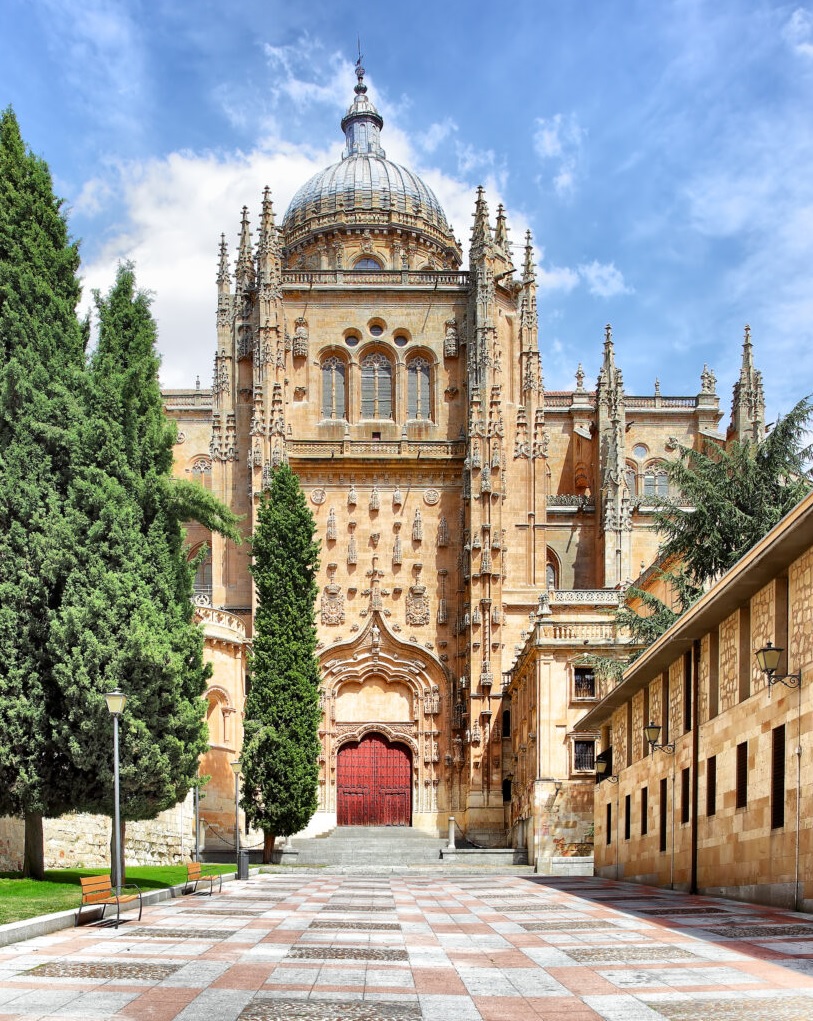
(417,527)
(397,552)
(299,346)
(331,531)
(417,606)
(375,499)
(431,497)
(443,532)
(352,497)
(396,498)
(352,551)
(318,496)
(332,604)
(451,345)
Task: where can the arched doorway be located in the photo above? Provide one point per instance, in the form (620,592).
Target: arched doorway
(374,783)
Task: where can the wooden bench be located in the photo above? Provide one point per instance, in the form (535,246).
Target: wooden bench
(195,875)
(97,892)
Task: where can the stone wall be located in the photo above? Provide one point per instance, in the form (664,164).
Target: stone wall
(81,840)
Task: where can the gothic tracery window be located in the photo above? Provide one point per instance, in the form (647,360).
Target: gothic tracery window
(418,390)
(334,391)
(376,387)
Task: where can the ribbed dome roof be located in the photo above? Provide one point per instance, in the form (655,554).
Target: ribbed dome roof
(365,179)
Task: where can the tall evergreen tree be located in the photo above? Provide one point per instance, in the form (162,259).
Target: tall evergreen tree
(729,497)
(126,616)
(41,364)
(281,742)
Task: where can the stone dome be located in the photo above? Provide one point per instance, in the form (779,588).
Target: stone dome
(365,190)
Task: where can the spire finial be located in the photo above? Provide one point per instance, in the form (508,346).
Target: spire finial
(528,273)
(608,334)
(360,88)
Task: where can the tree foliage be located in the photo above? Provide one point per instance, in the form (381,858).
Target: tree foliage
(41,364)
(731,496)
(281,742)
(126,616)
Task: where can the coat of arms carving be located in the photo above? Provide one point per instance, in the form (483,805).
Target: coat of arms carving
(417,606)
(332,604)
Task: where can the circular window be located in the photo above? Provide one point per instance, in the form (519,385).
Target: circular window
(401,340)
(376,329)
(640,451)
(351,339)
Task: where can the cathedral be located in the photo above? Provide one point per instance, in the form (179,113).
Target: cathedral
(477,530)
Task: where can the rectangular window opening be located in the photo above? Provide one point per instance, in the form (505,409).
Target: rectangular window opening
(644,811)
(662,807)
(627,816)
(685,795)
(711,785)
(778,778)
(742,775)
(609,823)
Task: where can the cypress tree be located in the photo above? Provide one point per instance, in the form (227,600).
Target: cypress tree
(41,365)
(126,617)
(281,736)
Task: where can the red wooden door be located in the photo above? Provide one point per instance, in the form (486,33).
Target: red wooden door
(374,783)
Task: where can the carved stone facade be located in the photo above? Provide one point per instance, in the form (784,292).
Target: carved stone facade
(455,498)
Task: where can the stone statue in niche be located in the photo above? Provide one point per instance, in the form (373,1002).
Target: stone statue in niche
(352,497)
(332,604)
(450,341)
(331,525)
(300,338)
(417,527)
(375,499)
(417,606)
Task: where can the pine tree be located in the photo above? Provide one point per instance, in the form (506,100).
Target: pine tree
(729,497)
(41,364)
(281,742)
(736,494)
(126,617)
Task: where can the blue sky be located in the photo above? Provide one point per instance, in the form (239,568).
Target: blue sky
(661,153)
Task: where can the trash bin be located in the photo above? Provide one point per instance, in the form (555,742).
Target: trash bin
(242,865)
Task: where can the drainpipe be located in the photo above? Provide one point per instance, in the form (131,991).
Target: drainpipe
(695,755)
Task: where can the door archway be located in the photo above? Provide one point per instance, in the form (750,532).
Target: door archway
(374,783)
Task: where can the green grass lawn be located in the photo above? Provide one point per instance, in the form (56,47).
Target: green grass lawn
(24,898)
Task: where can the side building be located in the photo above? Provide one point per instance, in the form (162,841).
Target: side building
(715,798)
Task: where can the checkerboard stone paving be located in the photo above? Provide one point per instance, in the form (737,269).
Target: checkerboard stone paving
(450,949)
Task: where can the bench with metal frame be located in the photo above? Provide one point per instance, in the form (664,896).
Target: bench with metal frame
(98,892)
(195,875)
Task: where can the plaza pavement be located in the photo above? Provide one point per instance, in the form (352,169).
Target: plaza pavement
(415,945)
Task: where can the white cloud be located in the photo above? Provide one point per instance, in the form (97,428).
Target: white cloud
(603,280)
(437,133)
(556,278)
(798,32)
(558,141)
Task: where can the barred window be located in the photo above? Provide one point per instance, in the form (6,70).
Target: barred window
(418,378)
(584,682)
(376,387)
(333,388)
(584,756)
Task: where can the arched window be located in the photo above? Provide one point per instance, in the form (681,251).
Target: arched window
(367,263)
(217,714)
(550,576)
(418,375)
(201,469)
(202,584)
(376,387)
(656,481)
(334,402)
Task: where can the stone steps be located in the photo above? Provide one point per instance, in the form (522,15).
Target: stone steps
(359,845)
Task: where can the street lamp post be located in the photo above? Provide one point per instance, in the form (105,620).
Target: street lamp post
(236,766)
(115,706)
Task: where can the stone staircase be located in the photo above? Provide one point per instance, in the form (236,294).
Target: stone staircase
(362,847)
